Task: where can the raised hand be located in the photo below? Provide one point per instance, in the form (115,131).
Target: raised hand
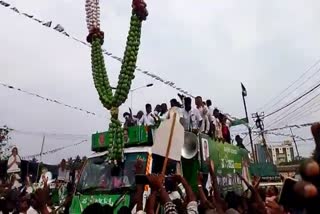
(273,207)
(258,203)
(156,181)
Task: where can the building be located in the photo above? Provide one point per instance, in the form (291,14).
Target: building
(261,153)
(282,153)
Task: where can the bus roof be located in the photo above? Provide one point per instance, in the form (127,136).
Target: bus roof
(271,184)
(126,150)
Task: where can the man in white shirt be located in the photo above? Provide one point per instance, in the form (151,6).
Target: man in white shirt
(164,111)
(192,118)
(211,119)
(139,118)
(218,126)
(46,176)
(14,162)
(149,118)
(204,112)
(63,172)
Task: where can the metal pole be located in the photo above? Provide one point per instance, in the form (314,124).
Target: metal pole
(249,129)
(295,143)
(259,124)
(44,137)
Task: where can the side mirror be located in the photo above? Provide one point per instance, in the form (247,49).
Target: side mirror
(99,160)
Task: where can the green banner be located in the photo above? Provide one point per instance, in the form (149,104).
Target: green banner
(227,160)
(79,203)
(242,121)
(133,136)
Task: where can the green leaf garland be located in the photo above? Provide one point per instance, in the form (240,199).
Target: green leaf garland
(100,78)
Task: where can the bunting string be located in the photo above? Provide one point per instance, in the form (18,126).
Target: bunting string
(288,135)
(59,28)
(47,99)
(52,151)
(289,126)
(47,134)
(284,127)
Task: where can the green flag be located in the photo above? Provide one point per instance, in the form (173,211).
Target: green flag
(242,121)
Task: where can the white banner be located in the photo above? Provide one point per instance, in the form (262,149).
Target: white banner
(162,135)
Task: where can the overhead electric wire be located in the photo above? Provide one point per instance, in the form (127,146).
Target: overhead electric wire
(297,108)
(292,107)
(307,113)
(292,102)
(297,80)
(297,140)
(285,135)
(307,108)
(301,113)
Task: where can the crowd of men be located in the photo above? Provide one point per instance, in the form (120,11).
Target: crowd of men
(198,118)
(176,196)
(20,194)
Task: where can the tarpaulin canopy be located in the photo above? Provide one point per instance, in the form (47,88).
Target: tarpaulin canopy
(263,170)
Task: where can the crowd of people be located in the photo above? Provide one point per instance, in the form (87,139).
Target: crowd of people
(176,196)
(29,194)
(198,118)
(173,195)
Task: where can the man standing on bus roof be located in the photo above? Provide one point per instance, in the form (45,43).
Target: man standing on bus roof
(192,118)
(149,118)
(205,126)
(211,119)
(239,141)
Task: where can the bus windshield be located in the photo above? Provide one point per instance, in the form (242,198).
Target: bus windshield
(99,175)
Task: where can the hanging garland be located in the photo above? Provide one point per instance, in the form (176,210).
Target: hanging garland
(108,99)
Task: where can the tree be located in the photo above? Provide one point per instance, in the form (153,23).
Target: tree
(5,148)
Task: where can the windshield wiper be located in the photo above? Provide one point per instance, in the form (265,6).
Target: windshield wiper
(119,200)
(89,189)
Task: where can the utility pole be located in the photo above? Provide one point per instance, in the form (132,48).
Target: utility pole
(259,123)
(295,143)
(244,94)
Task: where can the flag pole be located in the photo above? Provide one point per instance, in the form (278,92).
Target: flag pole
(244,94)
(44,137)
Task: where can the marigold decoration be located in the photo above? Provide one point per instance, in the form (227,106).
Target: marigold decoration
(108,99)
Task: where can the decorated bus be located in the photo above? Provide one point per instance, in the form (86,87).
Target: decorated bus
(97,183)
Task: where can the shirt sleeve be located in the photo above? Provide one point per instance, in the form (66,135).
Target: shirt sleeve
(198,115)
(142,120)
(18,159)
(10,160)
(205,110)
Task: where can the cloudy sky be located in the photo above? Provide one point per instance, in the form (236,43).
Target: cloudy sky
(206,47)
